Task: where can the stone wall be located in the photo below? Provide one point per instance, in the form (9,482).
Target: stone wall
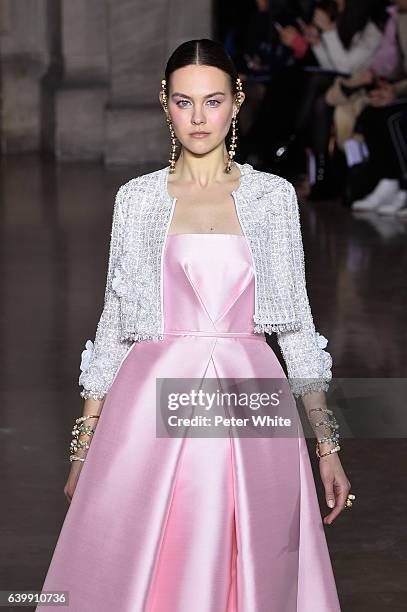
(81,78)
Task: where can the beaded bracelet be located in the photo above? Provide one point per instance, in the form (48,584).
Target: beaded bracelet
(332,438)
(334,435)
(78,430)
(321,410)
(335,449)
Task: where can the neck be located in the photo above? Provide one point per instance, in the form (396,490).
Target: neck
(202,170)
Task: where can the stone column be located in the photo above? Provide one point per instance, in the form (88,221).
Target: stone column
(141,38)
(24,58)
(82,97)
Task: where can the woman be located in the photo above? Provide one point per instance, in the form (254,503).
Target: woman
(348,43)
(349,95)
(218,523)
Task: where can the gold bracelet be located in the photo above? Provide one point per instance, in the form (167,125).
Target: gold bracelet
(78,430)
(335,449)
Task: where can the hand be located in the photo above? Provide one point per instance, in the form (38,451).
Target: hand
(263,5)
(287,34)
(310,32)
(366,77)
(72,481)
(385,94)
(360,78)
(336,484)
(322,20)
(254,62)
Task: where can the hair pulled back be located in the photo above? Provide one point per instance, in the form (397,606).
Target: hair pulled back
(203,52)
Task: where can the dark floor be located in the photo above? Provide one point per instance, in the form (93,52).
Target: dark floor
(55,229)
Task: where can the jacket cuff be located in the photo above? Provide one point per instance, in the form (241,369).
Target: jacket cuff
(88,393)
(86,359)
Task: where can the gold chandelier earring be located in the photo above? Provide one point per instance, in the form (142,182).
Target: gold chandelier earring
(170,126)
(232,151)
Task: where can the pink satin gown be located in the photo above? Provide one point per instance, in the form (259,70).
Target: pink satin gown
(226,524)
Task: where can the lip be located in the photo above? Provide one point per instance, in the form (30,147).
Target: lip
(199,134)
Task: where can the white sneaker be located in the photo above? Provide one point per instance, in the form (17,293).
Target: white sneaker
(393,205)
(402,213)
(384,191)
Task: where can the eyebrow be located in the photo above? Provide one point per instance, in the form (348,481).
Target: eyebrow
(182,95)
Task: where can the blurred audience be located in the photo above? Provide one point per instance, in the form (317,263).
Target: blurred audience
(262,59)
(343,38)
(320,76)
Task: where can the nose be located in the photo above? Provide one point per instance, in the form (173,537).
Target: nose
(198,117)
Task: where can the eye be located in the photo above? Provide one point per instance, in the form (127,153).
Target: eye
(179,103)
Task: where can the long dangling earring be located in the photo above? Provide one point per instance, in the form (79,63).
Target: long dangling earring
(232,151)
(170,126)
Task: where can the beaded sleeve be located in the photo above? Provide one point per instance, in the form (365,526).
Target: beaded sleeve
(102,358)
(308,365)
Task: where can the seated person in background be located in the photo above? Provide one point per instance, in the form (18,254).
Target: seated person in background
(349,95)
(348,43)
(343,38)
(387,105)
(265,65)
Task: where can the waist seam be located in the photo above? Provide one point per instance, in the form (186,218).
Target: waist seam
(216,334)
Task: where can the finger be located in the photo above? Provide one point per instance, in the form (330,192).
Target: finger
(374,96)
(378,99)
(330,495)
(302,24)
(328,519)
(330,499)
(339,505)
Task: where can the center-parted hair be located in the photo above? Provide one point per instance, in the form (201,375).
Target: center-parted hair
(203,52)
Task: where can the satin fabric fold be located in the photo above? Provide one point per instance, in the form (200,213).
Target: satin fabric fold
(187,524)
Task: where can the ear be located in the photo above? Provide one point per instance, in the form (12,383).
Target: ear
(242,97)
(160,97)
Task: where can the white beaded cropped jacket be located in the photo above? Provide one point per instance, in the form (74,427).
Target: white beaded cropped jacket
(268,212)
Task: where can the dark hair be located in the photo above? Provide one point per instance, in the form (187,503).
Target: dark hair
(354,18)
(203,52)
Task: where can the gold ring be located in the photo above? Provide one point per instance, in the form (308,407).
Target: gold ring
(349,500)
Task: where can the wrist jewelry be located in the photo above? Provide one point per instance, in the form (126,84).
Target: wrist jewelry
(80,429)
(333,435)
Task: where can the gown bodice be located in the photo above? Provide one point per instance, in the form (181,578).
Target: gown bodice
(208,284)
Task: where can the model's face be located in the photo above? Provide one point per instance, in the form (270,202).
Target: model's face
(200,100)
